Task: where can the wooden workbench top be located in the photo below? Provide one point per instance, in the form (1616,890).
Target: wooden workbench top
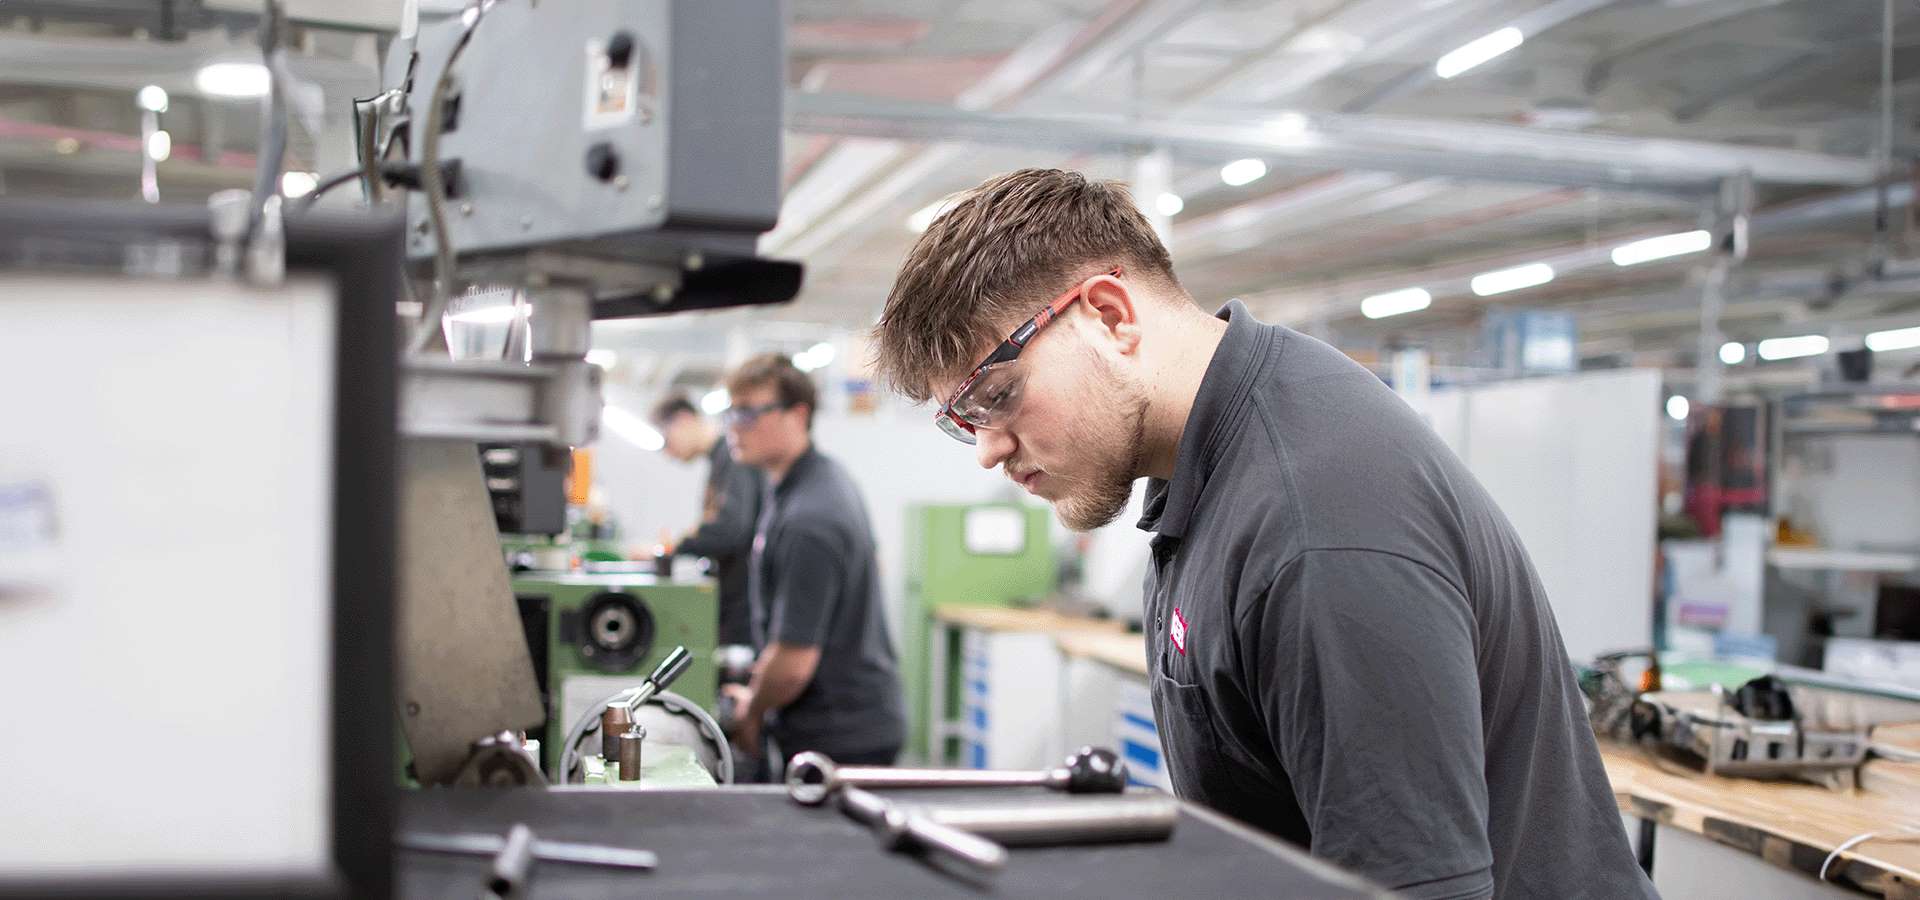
(1789,824)
(1121,650)
(1001,618)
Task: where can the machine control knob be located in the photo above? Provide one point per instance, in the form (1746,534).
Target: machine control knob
(603,162)
(620,49)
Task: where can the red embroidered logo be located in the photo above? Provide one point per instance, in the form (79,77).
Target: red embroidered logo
(1177,630)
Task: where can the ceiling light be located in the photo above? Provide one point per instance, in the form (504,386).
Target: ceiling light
(630,428)
(1243,171)
(1513,279)
(159,146)
(233,79)
(1478,51)
(716,401)
(1169,204)
(1287,125)
(153,98)
(1393,303)
(1661,247)
(602,358)
(1897,339)
(1793,347)
(298,184)
(1733,353)
(1677,407)
(814,357)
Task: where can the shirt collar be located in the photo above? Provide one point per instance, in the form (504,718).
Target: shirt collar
(1223,392)
(795,472)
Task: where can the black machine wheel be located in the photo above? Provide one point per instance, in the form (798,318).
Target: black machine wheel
(617,631)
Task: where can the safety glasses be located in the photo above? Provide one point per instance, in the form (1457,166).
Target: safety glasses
(745,416)
(992,393)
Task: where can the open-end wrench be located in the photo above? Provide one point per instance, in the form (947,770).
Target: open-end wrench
(900,829)
(813,777)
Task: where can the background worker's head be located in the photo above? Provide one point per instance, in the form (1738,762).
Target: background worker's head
(772,414)
(1065,419)
(688,435)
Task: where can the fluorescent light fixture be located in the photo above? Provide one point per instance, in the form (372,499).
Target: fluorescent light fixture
(602,358)
(922,219)
(1733,353)
(1169,204)
(233,79)
(1393,303)
(1677,407)
(153,98)
(814,357)
(1897,339)
(492,314)
(1793,347)
(1530,275)
(1478,51)
(716,401)
(1243,171)
(1661,247)
(1288,124)
(159,146)
(298,184)
(630,428)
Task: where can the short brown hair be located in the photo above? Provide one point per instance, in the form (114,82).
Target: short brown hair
(990,262)
(665,410)
(791,387)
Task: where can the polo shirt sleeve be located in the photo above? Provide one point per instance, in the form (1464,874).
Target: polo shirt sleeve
(1361,665)
(812,573)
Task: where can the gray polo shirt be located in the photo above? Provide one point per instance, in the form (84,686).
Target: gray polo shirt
(815,583)
(1351,649)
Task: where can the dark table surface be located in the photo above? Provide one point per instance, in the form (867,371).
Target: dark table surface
(754,841)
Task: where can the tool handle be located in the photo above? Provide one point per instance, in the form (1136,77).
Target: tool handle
(670,668)
(969,848)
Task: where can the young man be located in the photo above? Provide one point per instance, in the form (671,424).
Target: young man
(825,678)
(1349,646)
(731,509)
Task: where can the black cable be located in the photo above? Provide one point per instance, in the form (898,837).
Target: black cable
(326,184)
(435,186)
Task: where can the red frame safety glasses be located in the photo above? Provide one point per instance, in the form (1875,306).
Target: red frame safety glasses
(992,393)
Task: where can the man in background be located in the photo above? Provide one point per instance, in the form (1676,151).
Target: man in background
(732,506)
(825,678)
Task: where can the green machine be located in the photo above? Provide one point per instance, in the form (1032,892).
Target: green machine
(979,554)
(595,635)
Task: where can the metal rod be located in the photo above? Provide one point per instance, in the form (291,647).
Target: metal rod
(899,829)
(514,861)
(1086,820)
(474,844)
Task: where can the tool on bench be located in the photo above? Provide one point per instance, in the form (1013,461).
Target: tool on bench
(813,777)
(514,853)
(901,829)
(1086,820)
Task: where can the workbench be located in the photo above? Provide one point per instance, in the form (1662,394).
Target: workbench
(1010,683)
(756,842)
(1728,837)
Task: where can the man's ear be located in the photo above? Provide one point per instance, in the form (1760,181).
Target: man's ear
(1115,305)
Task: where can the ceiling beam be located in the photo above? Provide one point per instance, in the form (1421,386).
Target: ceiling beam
(1483,152)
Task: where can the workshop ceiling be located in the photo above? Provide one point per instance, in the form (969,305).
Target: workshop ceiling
(1700,83)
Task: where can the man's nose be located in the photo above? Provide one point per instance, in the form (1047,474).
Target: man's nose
(993,446)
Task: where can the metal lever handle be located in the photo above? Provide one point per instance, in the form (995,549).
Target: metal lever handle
(671,668)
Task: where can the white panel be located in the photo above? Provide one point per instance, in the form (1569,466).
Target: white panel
(1572,462)
(1690,866)
(182,433)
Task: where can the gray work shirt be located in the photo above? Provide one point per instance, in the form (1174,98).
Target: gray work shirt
(815,583)
(1350,648)
(731,512)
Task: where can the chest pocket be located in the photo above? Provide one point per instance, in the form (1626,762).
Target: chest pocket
(1182,710)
